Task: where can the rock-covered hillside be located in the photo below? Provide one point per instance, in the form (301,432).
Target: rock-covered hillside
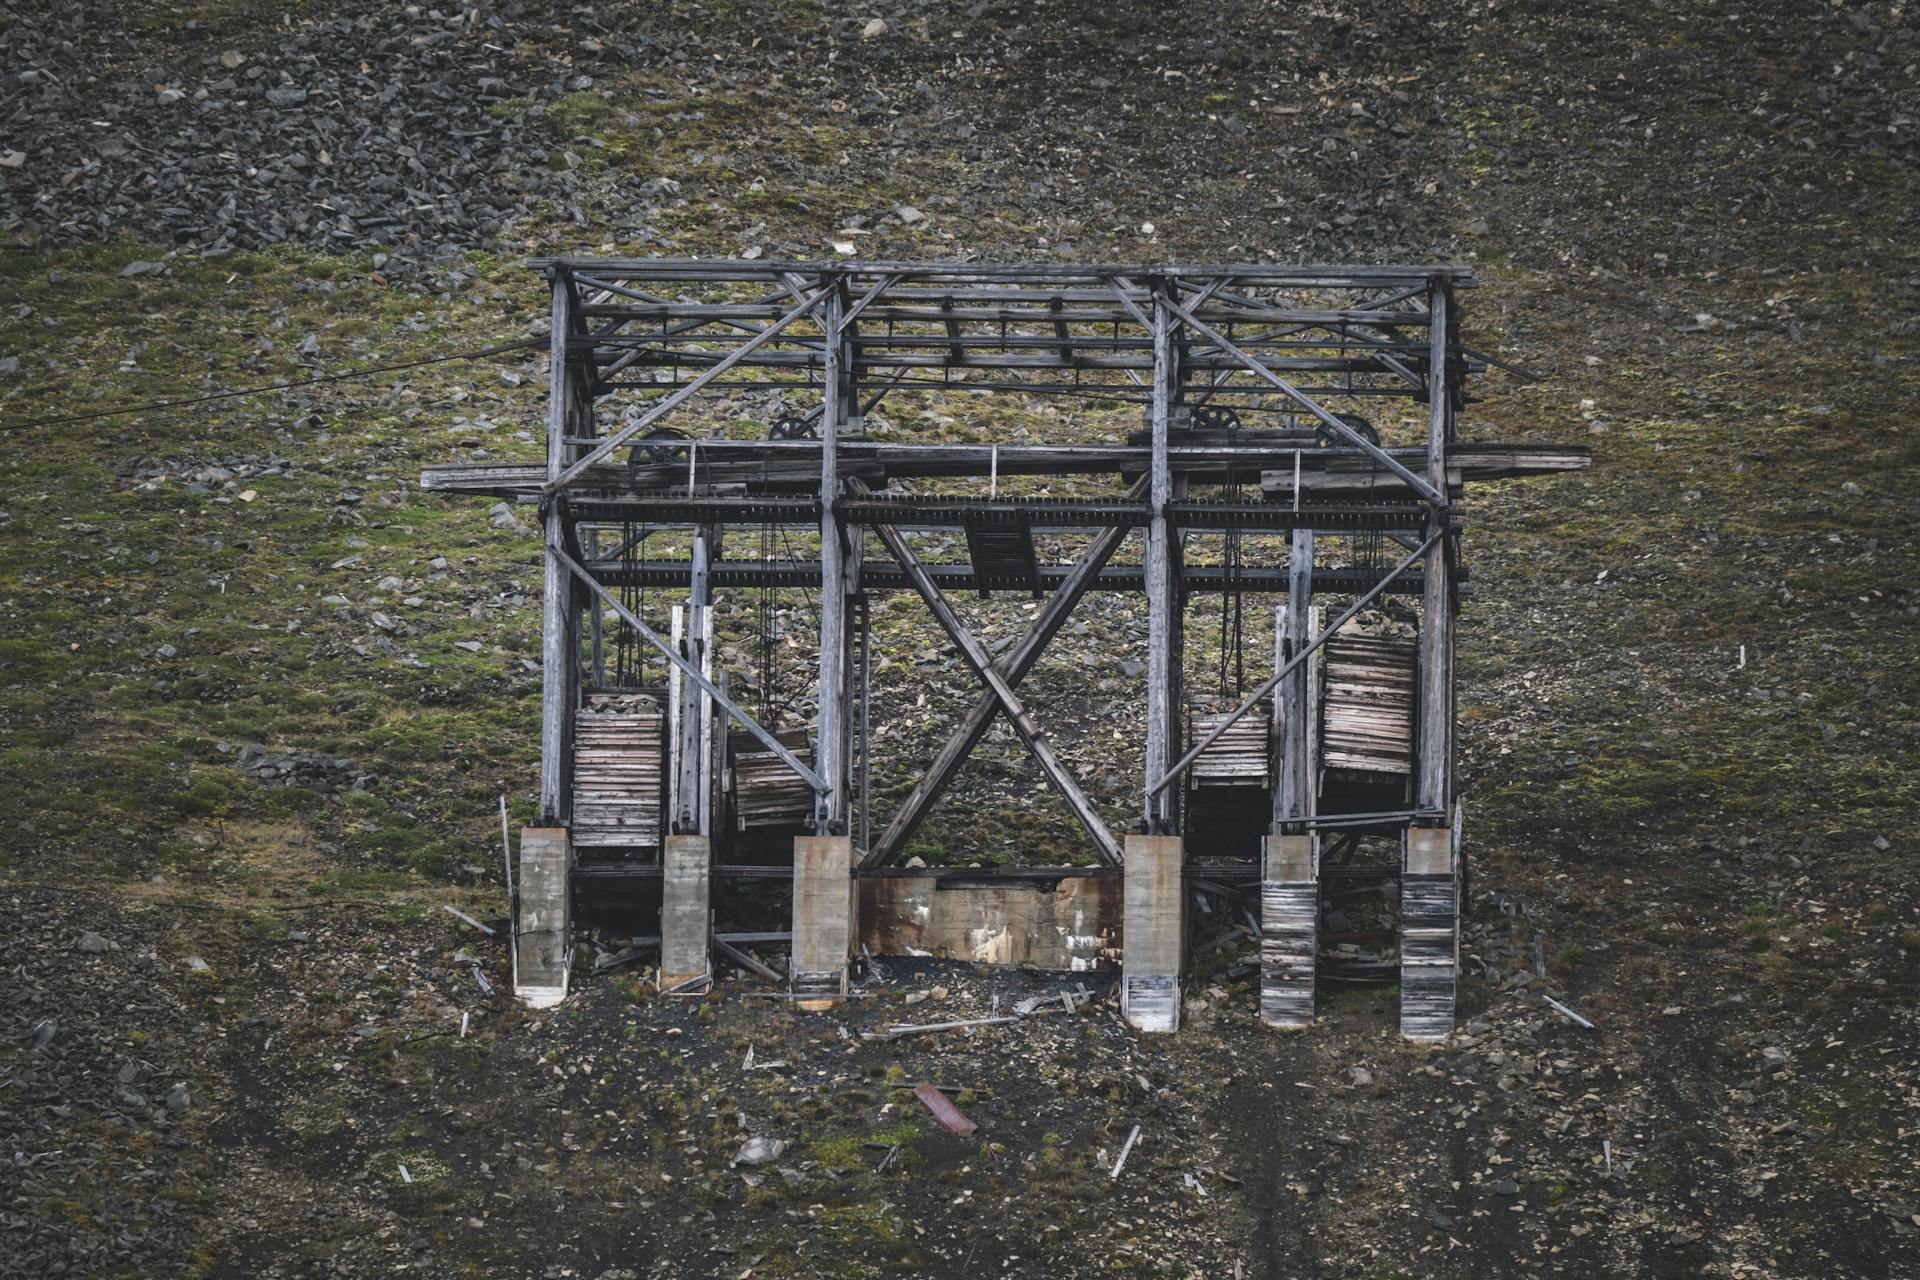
(258,695)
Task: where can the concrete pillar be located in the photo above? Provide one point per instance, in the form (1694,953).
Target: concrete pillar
(823,907)
(686,869)
(1289,930)
(1153,932)
(1429,934)
(544,927)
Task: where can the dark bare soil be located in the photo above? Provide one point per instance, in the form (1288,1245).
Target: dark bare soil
(232,1006)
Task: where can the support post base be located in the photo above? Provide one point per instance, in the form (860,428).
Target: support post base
(823,912)
(1153,932)
(1429,934)
(685,954)
(543,932)
(1289,930)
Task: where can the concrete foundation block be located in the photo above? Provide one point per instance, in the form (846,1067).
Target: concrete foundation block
(1153,932)
(823,918)
(1289,930)
(685,912)
(543,943)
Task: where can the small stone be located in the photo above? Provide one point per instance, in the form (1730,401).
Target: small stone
(12,159)
(232,58)
(94,944)
(1359,1077)
(1504,1187)
(178,1100)
(197,965)
(875,28)
(248,495)
(908,214)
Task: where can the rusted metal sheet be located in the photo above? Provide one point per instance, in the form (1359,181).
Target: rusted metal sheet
(1069,922)
(950,1117)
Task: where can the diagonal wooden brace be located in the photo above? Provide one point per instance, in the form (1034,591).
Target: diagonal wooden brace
(1015,666)
(982,664)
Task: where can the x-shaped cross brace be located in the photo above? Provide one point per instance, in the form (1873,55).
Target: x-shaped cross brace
(999,693)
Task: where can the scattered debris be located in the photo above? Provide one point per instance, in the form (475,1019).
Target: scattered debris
(945,1112)
(759,1151)
(1570,1013)
(1113,1175)
(466,919)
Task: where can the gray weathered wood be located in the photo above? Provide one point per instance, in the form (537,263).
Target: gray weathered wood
(1161,805)
(712,690)
(830,734)
(557,591)
(1436,623)
(1272,682)
(981,661)
(1293,797)
(1015,666)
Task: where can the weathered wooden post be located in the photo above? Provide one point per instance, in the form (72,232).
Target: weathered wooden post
(823,902)
(1289,873)
(1430,880)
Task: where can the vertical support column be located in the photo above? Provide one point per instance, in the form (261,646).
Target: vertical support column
(1162,807)
(823,915)
(1153,932)
(556,657)
(1430,883)
(1289,876)
(686,856)
(830,730)
(823,888)
(1294,786)
(596,622)
(543,934)
(685,913)
(694,709)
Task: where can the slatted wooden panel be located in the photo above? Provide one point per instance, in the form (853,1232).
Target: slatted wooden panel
(619,764)
(1242,757)
(1429,955)
(1368,702)
(1289,933)
(766,793)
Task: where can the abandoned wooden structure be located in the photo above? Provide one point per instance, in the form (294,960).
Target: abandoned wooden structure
(1258,389)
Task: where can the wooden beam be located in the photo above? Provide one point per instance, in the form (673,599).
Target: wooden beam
(830,734)
(680,397)
(1272,682)
(981,661)
(1160,805)
(1293,794)
(1015,666)
(557,591)
(1432,492)
(693,673)
(1436,623)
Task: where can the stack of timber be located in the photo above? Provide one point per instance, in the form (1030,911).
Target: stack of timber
(1243,754)
(619,763)
(1368,701)
(1429,954)
(766,793)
